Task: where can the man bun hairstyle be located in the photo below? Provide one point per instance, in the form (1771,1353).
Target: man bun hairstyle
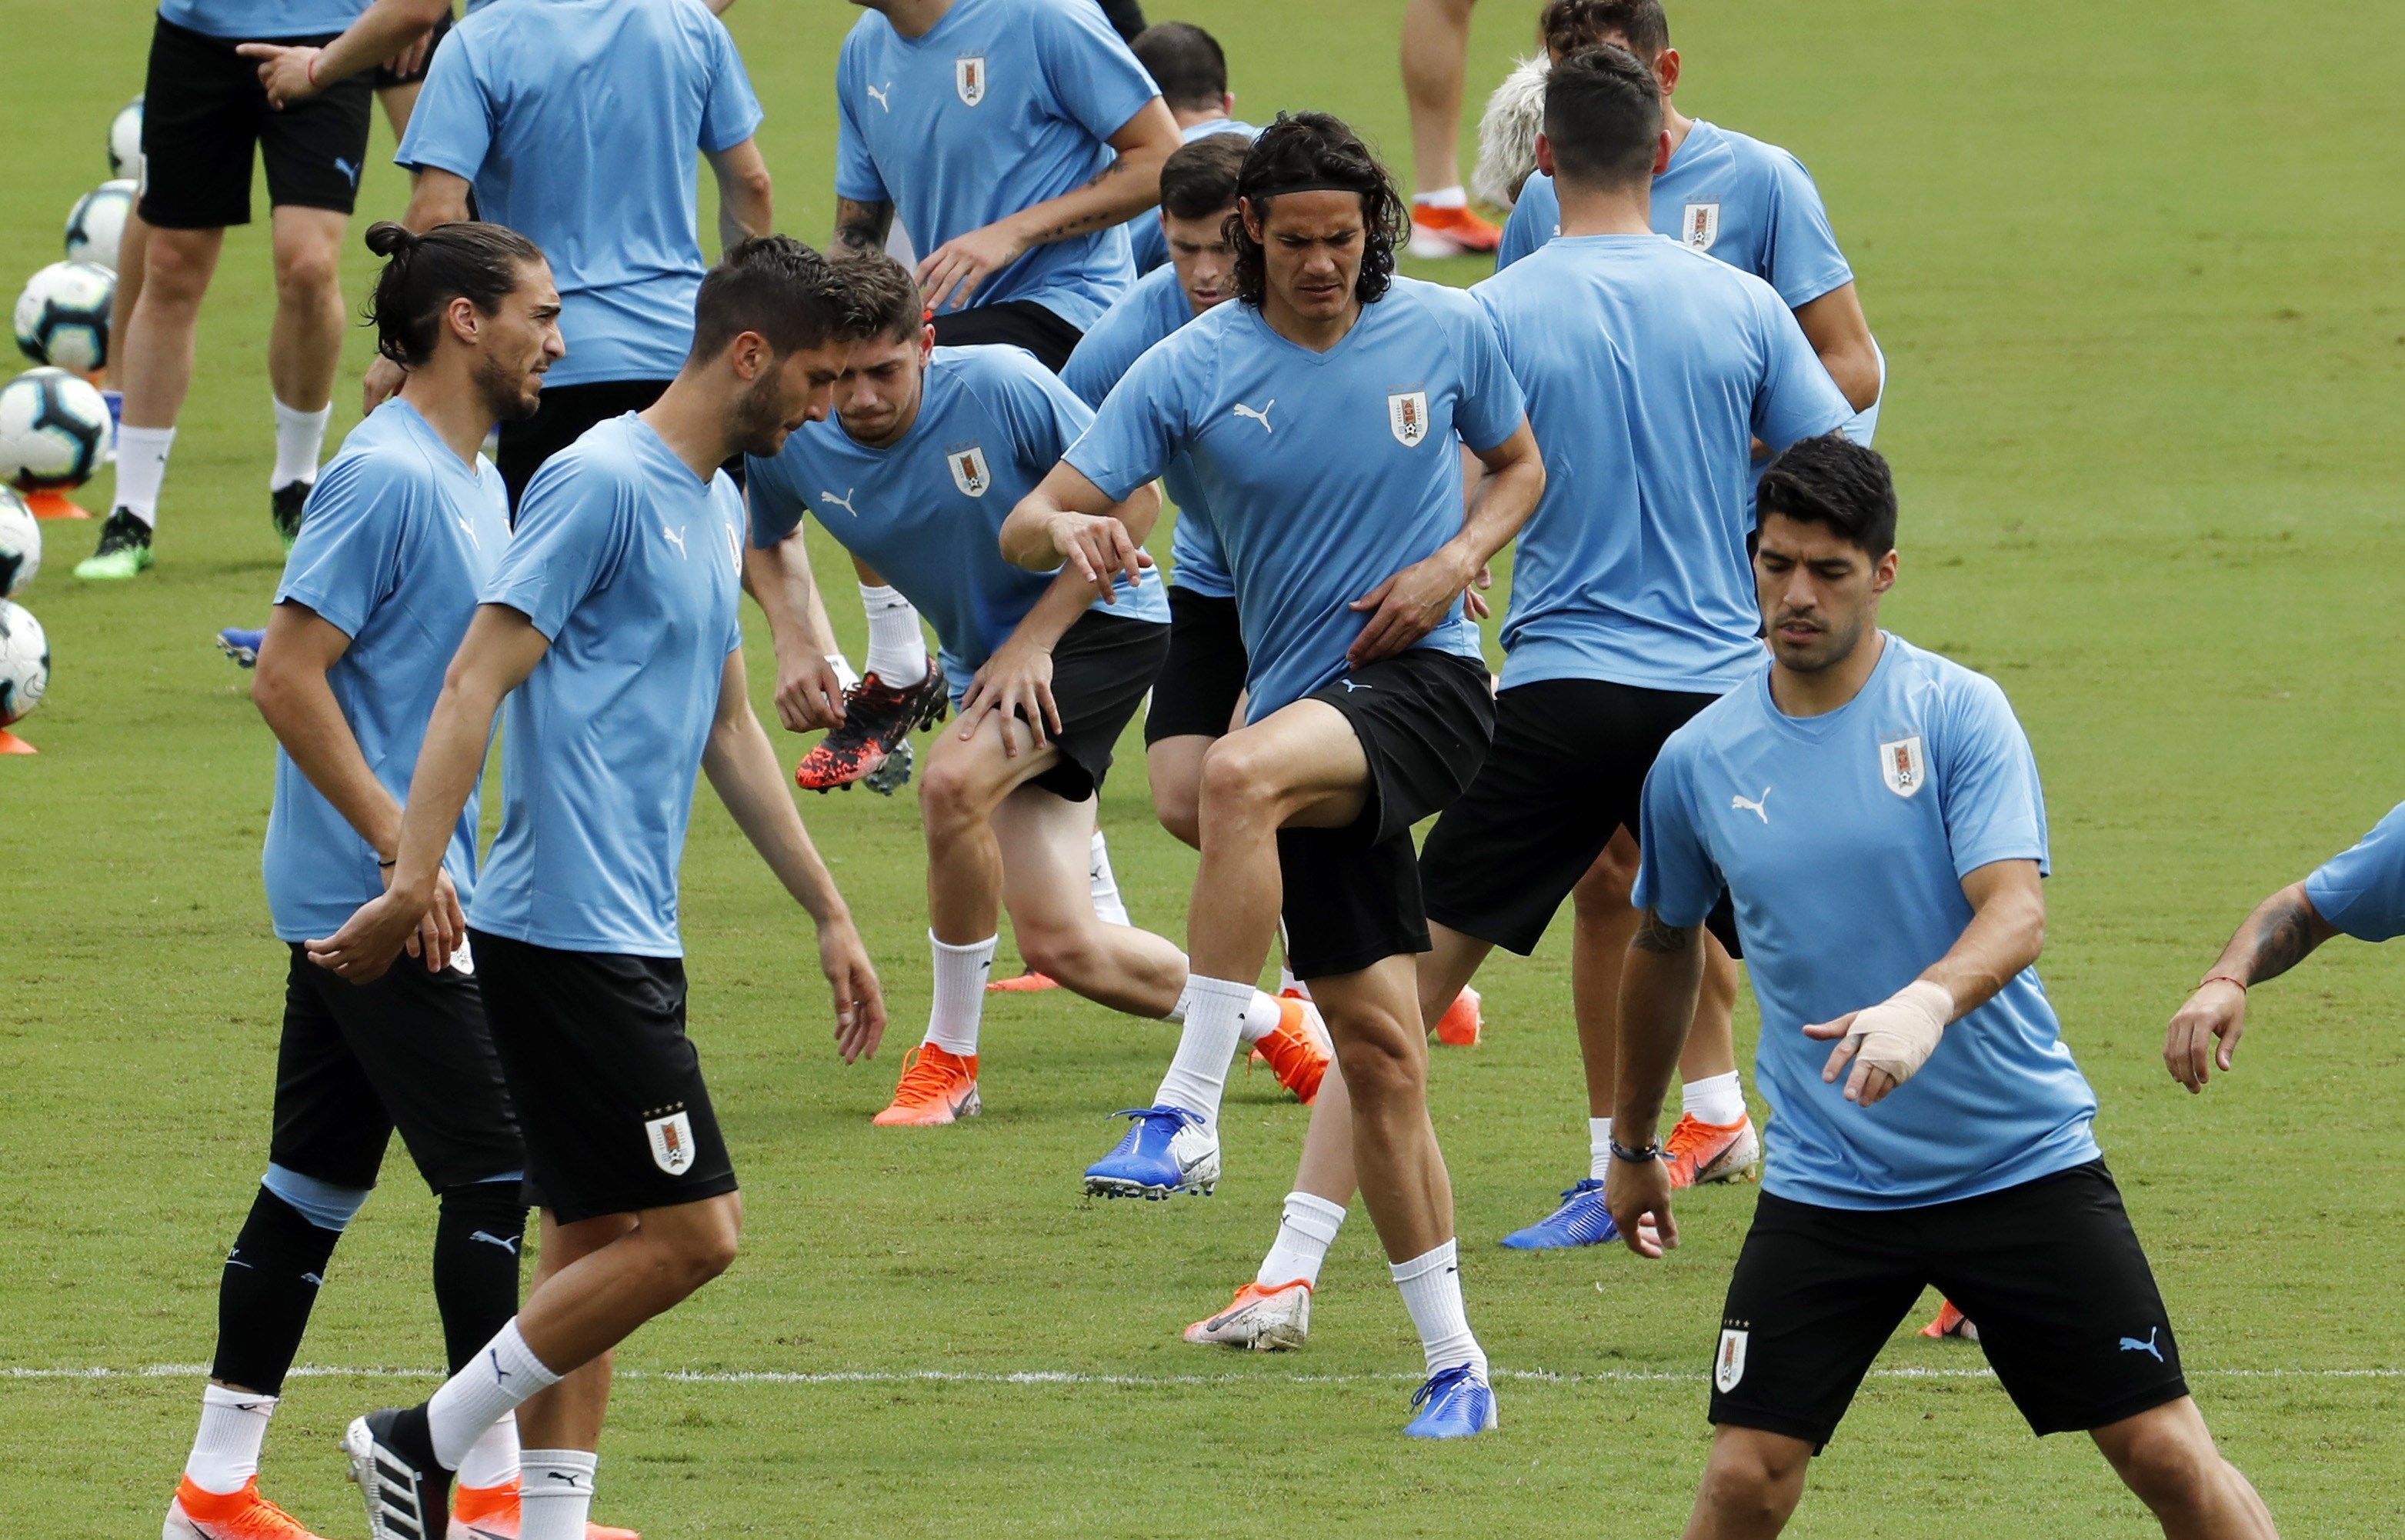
(1603,118)
(1186,62)
(1315,153)
(878,298)
(1198,180)
(1569,25)
(423,274)
(771,285)
(1835,482)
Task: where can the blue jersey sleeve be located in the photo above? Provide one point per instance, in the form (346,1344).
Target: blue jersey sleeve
(571,534)
(2361,889)
(1046,416)
(347,560)
(731,113)
(775,505)
(1803,263)
(1140,425)
(1492,407)
(1105,354)
(1796,399)
(1534,215)
(856,176)
(1095,81)
(454,131)
(1676,876)
(1986,775)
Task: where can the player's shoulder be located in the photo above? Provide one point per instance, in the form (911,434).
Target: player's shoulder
(605,455)
(1756,158)
(1947,697)
(1440,300)
(381,451)
(991,367)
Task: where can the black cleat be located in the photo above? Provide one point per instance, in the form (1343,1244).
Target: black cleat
(407,1490)
(872,744)
(286,503)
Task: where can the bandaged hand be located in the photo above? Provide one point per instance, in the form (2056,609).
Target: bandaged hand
(1886,1042)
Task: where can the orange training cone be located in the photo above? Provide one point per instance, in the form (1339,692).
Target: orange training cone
(54,504)
(12,744)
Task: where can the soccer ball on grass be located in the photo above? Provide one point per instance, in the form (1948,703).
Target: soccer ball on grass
(20,544)
(24,662)
(63,315)
(125,141)
(97,223)
(53,430)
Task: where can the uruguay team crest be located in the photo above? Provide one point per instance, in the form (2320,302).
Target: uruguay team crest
(671,1139)
(969,471)
(968,79)
(1700,225)
(1904,764)
(1728,1364)
(1407,415)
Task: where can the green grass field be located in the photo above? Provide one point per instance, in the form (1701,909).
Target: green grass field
(2132,269)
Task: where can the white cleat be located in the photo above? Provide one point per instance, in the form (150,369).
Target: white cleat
(1261,1318)
(1166,1150)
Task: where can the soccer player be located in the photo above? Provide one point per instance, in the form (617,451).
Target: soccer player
(932,447)
(204,117)
(405,527)
(1321,416)
(1015,138)
(1436,51)
(1874,814)
(1191,70)
(611,625)
(2359,893)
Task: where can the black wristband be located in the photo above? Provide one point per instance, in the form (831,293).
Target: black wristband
(1637,1157)
(394,861)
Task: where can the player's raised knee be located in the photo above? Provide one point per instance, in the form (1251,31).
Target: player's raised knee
(1382,1062)
(952,792)
(1750,1484)
(1239,775)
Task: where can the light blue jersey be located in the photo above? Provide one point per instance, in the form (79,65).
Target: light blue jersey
(262,21)
(2361,889)
(397,537)
(1003,104)
(1323,474)
(1153,309)
(1649,369)
(577,121)
(631,566)
(927,510)
(1146,241)
(1843,840)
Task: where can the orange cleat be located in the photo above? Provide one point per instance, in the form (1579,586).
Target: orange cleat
(1950,1322)
(1460,1024)
(1452,232)
(1262,1318)
(1297,1049)
(1027,983)
(199,1514)
(938,1088)
(491,1513)
(1711,1152)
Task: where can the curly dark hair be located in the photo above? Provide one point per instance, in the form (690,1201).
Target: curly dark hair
(1317,151)
(1830,480)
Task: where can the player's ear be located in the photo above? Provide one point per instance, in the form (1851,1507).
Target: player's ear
(1666,69)
(1662,152)
(461,316)
(1883,572)
(749,354)
(926,343)
(1545,154)
(1252,221)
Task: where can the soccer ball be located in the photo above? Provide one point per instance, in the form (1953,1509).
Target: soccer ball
(125,141)
(53,430)
(20,544)
(24,662)
(98,223)
(63,315)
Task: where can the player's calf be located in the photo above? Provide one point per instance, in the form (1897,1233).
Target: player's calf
(1751,1483)
(2166,1456)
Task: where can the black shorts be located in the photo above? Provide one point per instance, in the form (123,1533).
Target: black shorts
(1101,668)
(1353,894)
(408,1051)
(607,1086)
(2050,1271)
(1567,768)
(384,77)
(1203,679)
(203,113)
(1022,323)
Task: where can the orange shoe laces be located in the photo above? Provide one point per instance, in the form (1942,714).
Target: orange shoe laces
(1689,1138)
(925,1075)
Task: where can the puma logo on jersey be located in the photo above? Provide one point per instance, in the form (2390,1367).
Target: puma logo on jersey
(1740,804)
(675,538)
(1261,416)
(878,91)
(843,502)
(469,530)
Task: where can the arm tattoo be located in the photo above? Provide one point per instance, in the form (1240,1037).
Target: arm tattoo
(1083,223)
(861,229)
(1654,936)
(2281,942)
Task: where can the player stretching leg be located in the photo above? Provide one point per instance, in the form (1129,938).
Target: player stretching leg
(612,620)
(1873,811)
(1320,418)
(405,527)
(932,447)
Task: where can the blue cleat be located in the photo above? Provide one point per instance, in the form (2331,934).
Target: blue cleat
(241,646)
(1456,1403)
(1580,1221)
(1166,1151)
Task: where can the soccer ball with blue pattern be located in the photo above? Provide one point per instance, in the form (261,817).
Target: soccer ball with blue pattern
(97,224)
(24,662)
(125,141)
(53,430)
(20,544)
(63,315)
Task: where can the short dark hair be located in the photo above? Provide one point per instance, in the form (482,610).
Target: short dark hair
(1199,179)
(772,285)
(1603,118)
(1185,62)
(1317,153)
(423,274)
(878,299)
(1569,25)
(1833,482)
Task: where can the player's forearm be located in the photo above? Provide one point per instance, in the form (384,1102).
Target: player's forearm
(382,30)
(1658,988)
(439,198)
(301,710)
(450,763)
(1052,615)
(781,581)
(2283,932)
(1129,186)
(743,771)
(2006,934)
(1841,338)
(861,229)
(1026,534)
(1504,498)
(746,195)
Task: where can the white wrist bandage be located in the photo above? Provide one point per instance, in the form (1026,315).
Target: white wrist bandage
(1899,1033)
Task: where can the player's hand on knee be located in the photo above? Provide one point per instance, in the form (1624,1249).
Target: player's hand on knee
(954,270)
(384,379)
(859,999)
(1886,1043)
(2205,1033)
(1638,1193)
(810,697)
(1016,681)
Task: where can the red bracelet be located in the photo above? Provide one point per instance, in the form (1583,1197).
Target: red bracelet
(2221,978)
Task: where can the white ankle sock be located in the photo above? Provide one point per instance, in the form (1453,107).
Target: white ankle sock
(1717,1099)
(1598,1148)
(1103,886)
(492,1460)
(959,1003)
(555,1493)
(1431,1285)
(1261,1018)
(1452,197)
(844,674)
(1215,1024)
(897,649)
(299,438)
(1304,1235)
(500,1380)
(225,1453)
(142,468)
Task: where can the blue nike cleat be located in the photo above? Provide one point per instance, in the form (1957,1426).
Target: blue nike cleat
(1456,1403)
(1580,1221)
(1165,1151)
(241,646)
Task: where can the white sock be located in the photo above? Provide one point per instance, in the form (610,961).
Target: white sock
(1452,197)
(1289,984)
(959,1004)
(555,1494)
(225,1453)
(1261,1018)
(142,468)
(500,1380)
(1215,1024)
(1598,1148)
(844,674)
(897,649)
(1103,886)
(1304,1235)
(1431,1285)
(492,1460)
(299,438)
(1716,1099)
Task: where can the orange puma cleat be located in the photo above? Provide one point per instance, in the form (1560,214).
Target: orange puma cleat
(1452,232)
(199,1514)
(1027,983)
(1711,1152)
(937,1087)
(1950,1322)
(1297,1049)
(1460,1024)
(491,1513)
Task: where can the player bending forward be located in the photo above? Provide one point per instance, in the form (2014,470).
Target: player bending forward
(932,447)
(1873,811)
(1320,417)
(611,624)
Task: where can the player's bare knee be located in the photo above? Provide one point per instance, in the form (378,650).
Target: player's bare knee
(1750,1484)
(174,275)
(2170,1469)
(1238,781)
(1061,953)
(1382,1067)
(951,793)
(306,272)
(1177,802)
